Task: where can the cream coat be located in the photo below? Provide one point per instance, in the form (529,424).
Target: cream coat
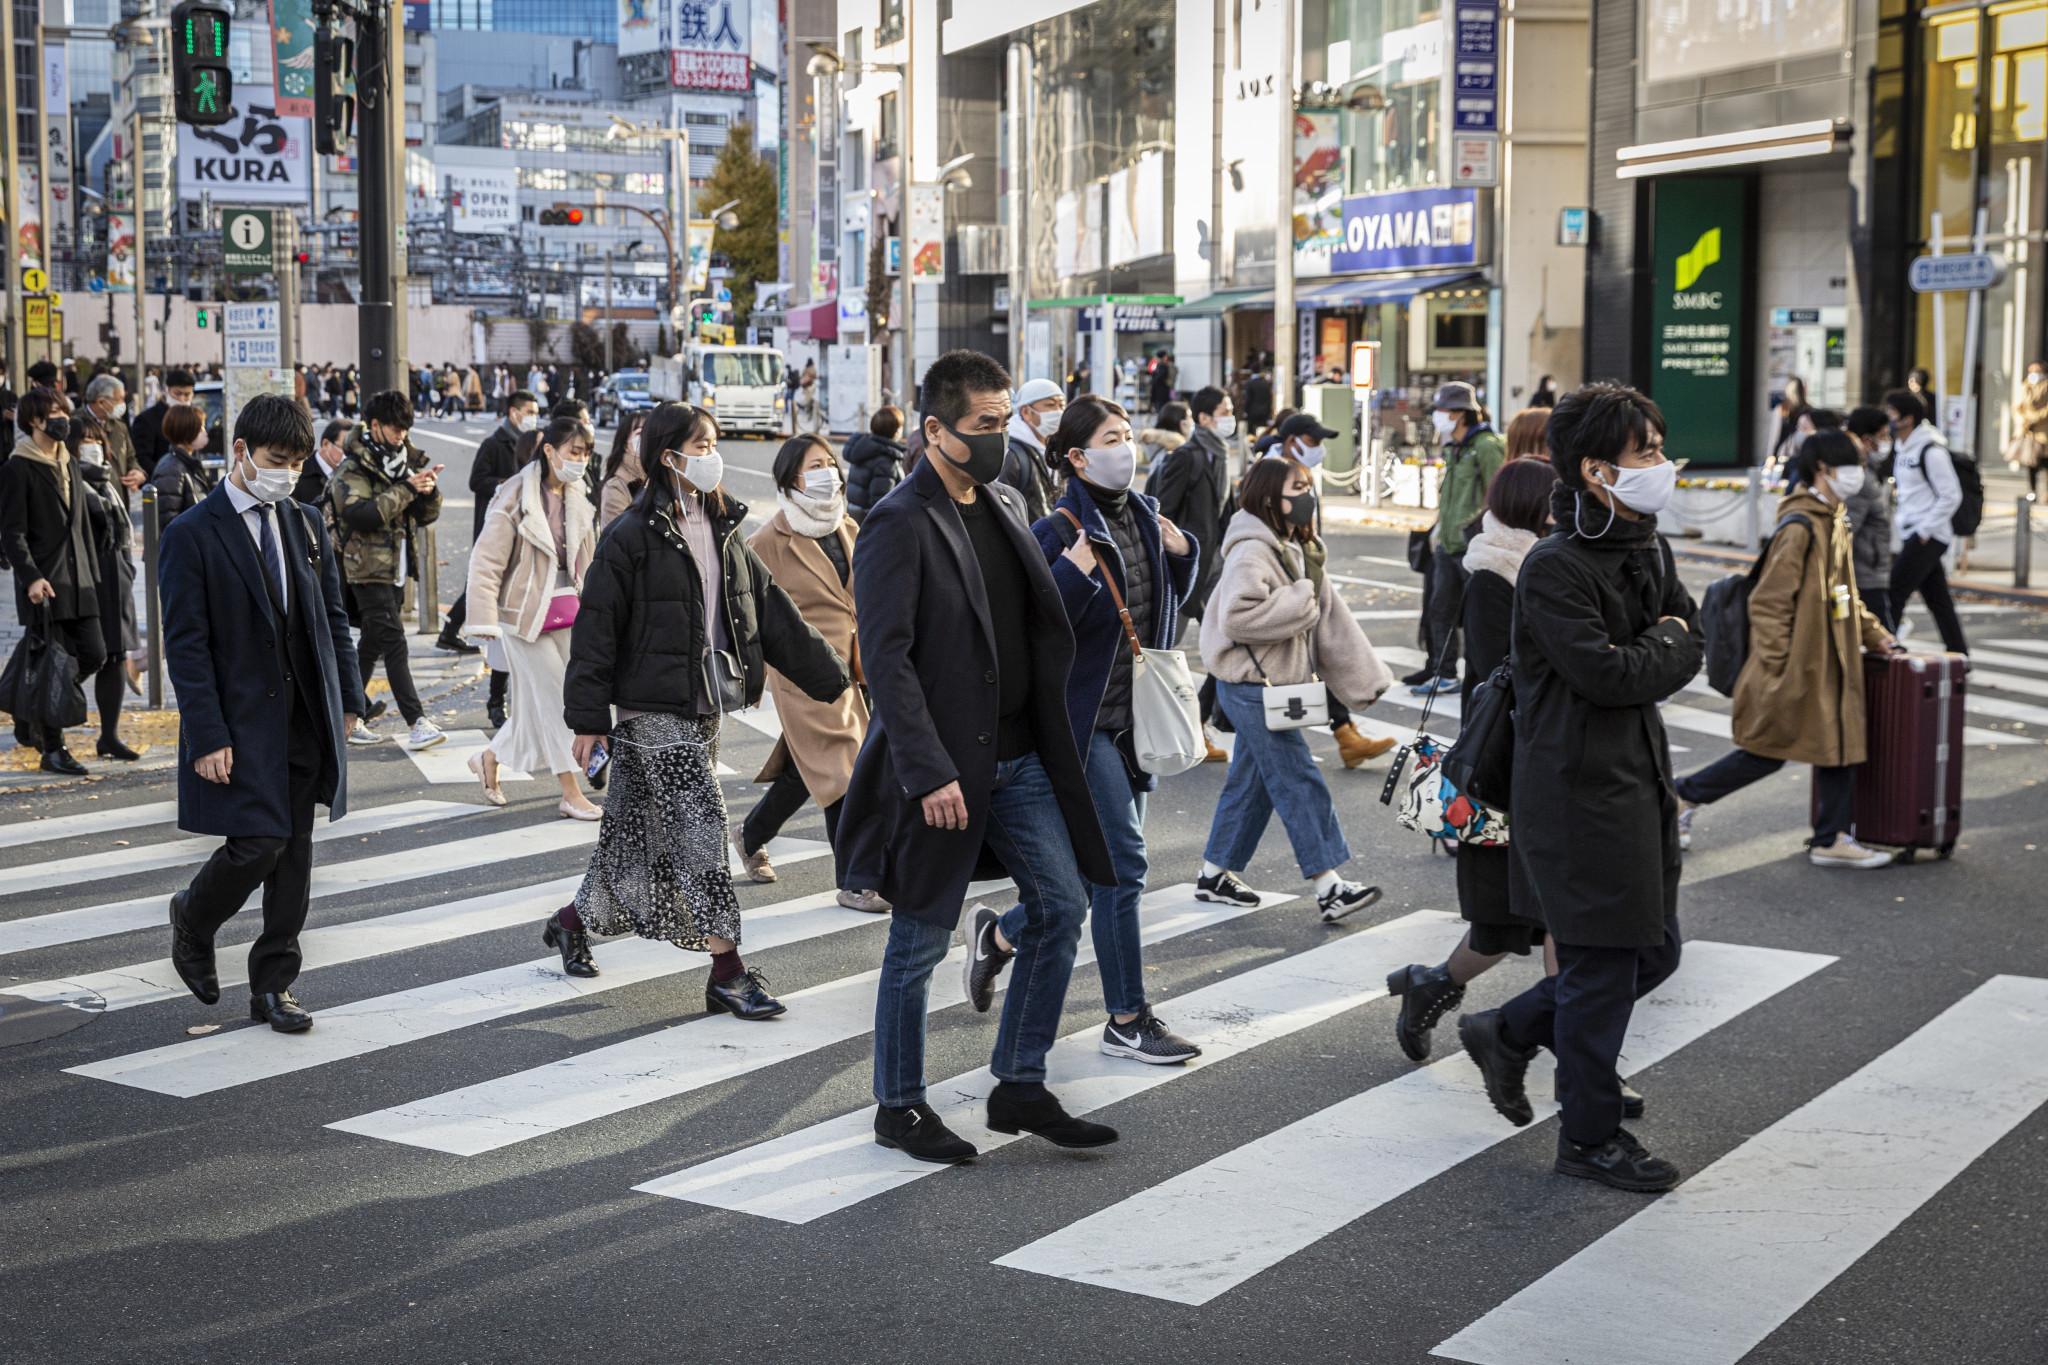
(512,565)
(616,494)
(823,737)
(1264,601)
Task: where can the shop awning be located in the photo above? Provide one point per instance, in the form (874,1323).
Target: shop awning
(1222,301)
(815,322)
(1365,290)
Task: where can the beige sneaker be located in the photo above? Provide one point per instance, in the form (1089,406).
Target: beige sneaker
(757,866)
(1846,852)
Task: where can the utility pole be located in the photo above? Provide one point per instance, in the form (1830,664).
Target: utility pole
(1286,326)
(607,309)
(10,158)
(284,267)
(906,383)
(380,89)
(141,273)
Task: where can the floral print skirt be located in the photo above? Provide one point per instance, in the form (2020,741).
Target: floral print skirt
(660,868)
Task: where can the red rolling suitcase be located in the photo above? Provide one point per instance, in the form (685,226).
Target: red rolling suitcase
(1909,792)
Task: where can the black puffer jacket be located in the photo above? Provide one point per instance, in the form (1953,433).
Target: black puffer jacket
(640,641)
(181,481)
(874,465)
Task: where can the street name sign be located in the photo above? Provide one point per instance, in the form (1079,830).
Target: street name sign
(1946,274)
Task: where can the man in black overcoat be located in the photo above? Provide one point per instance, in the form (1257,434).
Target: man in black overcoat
(259,653)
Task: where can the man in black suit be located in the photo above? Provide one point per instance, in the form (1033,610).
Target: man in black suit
(148,426)
(967,649)
(311,488)
(258,649)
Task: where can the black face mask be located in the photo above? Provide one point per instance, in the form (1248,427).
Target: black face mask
(58,429)
(1303,512)
(985,452)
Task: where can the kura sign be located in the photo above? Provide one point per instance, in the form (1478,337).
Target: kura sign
(256,157)
(1408,229)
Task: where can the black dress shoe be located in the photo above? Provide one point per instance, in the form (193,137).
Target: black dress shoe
(61,761)
(1502,1066)
(573,944)
(280,1011)
(744,995)
(1014,1107)
(1620,1161)
(495,711)
(455,644)
(918,1132)
(192,956)
(114,748)
(375,709)
(1427,994)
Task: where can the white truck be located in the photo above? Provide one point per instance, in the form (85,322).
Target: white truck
(741,385)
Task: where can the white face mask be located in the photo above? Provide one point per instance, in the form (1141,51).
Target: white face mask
(821,483)
(1044,423)
(527,423)
(1845,481)
(1226,425)
(1444,423)
(1311,456)
(266,485)
(118,411)
(572,471)
(704,472)
(1112,468)
(91,453)
(1646,491)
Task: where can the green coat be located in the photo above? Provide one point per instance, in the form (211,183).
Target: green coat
(373,514)
(1468,472)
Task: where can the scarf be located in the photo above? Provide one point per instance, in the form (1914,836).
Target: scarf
(391,460)
(813,517)
(59,463)
(1499,549)
(1022,430)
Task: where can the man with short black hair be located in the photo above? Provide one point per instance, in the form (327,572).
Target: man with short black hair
(312,485)
(1929,494)
(967,649)
(1193,485)
(258,650)
(148,429)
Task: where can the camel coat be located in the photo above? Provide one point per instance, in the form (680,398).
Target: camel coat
(822,737)
(1800,694)
(512,565)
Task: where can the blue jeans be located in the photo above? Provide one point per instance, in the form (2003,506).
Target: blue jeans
(1113,910)
(1028,833)
(1271,770)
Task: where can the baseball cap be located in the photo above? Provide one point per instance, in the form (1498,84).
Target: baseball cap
(1302,424)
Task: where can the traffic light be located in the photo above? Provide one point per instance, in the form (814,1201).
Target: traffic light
(334,106)
(561,216)
(203,87)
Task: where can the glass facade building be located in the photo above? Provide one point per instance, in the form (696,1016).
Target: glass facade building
(596,20)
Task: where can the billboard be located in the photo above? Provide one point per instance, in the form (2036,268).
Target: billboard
(640,25)
(1685,39)
(927,234)
(1408,229)
(711,48)
(256,157)
(1137,210)
(481,199)
(291,29)
(1318,191)
(1699,290)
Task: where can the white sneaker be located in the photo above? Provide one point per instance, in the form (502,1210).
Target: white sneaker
(363,734)
(1846,852)
(1905,630)
(425,735)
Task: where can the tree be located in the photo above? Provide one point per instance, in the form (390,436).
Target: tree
(744,176)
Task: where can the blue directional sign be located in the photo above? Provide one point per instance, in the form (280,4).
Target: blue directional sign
(1475,70)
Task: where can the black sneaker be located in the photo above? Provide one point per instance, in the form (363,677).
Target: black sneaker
(985,961)
(918,1132)
(1145,1039)
(1427,995)
(1225,889)
(1345,898)
(1420,675)
(1620,1161)
(1501,1066)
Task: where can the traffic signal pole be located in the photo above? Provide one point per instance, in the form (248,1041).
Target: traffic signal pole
(17,363)
(380,221)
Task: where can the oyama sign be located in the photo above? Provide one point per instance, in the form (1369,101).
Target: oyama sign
(256,157)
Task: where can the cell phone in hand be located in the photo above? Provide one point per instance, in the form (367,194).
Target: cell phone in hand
(600,757)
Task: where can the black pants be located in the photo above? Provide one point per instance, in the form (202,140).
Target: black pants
(109,687)
(384,641)
(1737,768)
(1917,568)
(282,867)
(1879,600)
(457,615)
(1582,1015)
(81,639)
(785,797)
(1446,610)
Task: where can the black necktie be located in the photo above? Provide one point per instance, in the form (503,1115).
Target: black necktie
(273,558)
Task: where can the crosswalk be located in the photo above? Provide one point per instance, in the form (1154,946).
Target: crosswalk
(1769,1220)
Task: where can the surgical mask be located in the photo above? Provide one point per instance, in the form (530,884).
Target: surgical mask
(529,422)
(985,451)
(1226,425)
(92,453)
(1302,512)
(821,483)
(1845,481)
(118,411)
(572,471)
(1309,455)
(1645,491)
(267,485)
(1113,469)
(1444,423)
(1044,423)
(704,472)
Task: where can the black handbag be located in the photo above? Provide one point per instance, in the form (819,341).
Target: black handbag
(40,687)
(1419,552)
(1481,762)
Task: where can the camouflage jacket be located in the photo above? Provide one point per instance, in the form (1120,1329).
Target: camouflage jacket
(373,515)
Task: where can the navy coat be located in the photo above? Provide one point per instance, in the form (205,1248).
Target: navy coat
(220,646)
(1098,630)
(928,651)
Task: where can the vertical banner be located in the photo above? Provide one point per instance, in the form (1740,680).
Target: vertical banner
(697,275)
(57,128)
(927,246)
(28,214)
(1318,191)
(120,252)
(1699,242)
(291,29)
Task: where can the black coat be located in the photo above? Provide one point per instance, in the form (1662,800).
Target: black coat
(311,488)
(182,481)
(116,563)
(1594,817)
(46,536)
(874,465)
(1485,890)
(497,459)
(1193,488)
(1025,469)
(640,638)
(928,649)
(147,431)
(220,648)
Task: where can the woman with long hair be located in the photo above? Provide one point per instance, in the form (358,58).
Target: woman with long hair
(808,545)
(525,580)
(1276,619)
(623,473)
(678,623)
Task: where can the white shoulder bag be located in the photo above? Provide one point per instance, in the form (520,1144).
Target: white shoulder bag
(1294,706)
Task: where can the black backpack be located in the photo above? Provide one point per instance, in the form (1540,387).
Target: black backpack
(1724,618)
(1970,514)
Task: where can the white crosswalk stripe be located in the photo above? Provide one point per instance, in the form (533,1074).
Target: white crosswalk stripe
(88,823)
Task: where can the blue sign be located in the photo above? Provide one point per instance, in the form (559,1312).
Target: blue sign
(1407,229)
(1475,92)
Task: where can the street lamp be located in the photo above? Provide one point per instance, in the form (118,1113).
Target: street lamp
(678,231)
(724,217)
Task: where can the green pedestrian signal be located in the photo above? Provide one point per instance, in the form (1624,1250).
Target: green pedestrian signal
(203,89)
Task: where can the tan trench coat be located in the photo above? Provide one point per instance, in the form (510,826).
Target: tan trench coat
(1800,695)
(823,738)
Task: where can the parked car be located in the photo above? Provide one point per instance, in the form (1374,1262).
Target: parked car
(625,392)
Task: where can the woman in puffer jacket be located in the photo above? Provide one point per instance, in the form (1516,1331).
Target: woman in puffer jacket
(1275,618)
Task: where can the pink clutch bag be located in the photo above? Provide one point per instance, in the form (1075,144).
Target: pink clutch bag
(561,612)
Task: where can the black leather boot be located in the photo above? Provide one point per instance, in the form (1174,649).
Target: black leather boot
(745,995)
(1502,1066)
(574,946)
(1427,994)
(1032,1109)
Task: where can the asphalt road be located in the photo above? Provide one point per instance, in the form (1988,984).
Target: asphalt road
(1850,1067)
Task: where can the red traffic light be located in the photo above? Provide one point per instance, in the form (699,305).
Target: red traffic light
(302,256)
(575,217)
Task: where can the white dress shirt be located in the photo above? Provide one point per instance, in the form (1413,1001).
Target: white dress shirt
(252,510)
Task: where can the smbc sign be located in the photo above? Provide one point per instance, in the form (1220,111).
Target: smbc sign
(1699,311)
